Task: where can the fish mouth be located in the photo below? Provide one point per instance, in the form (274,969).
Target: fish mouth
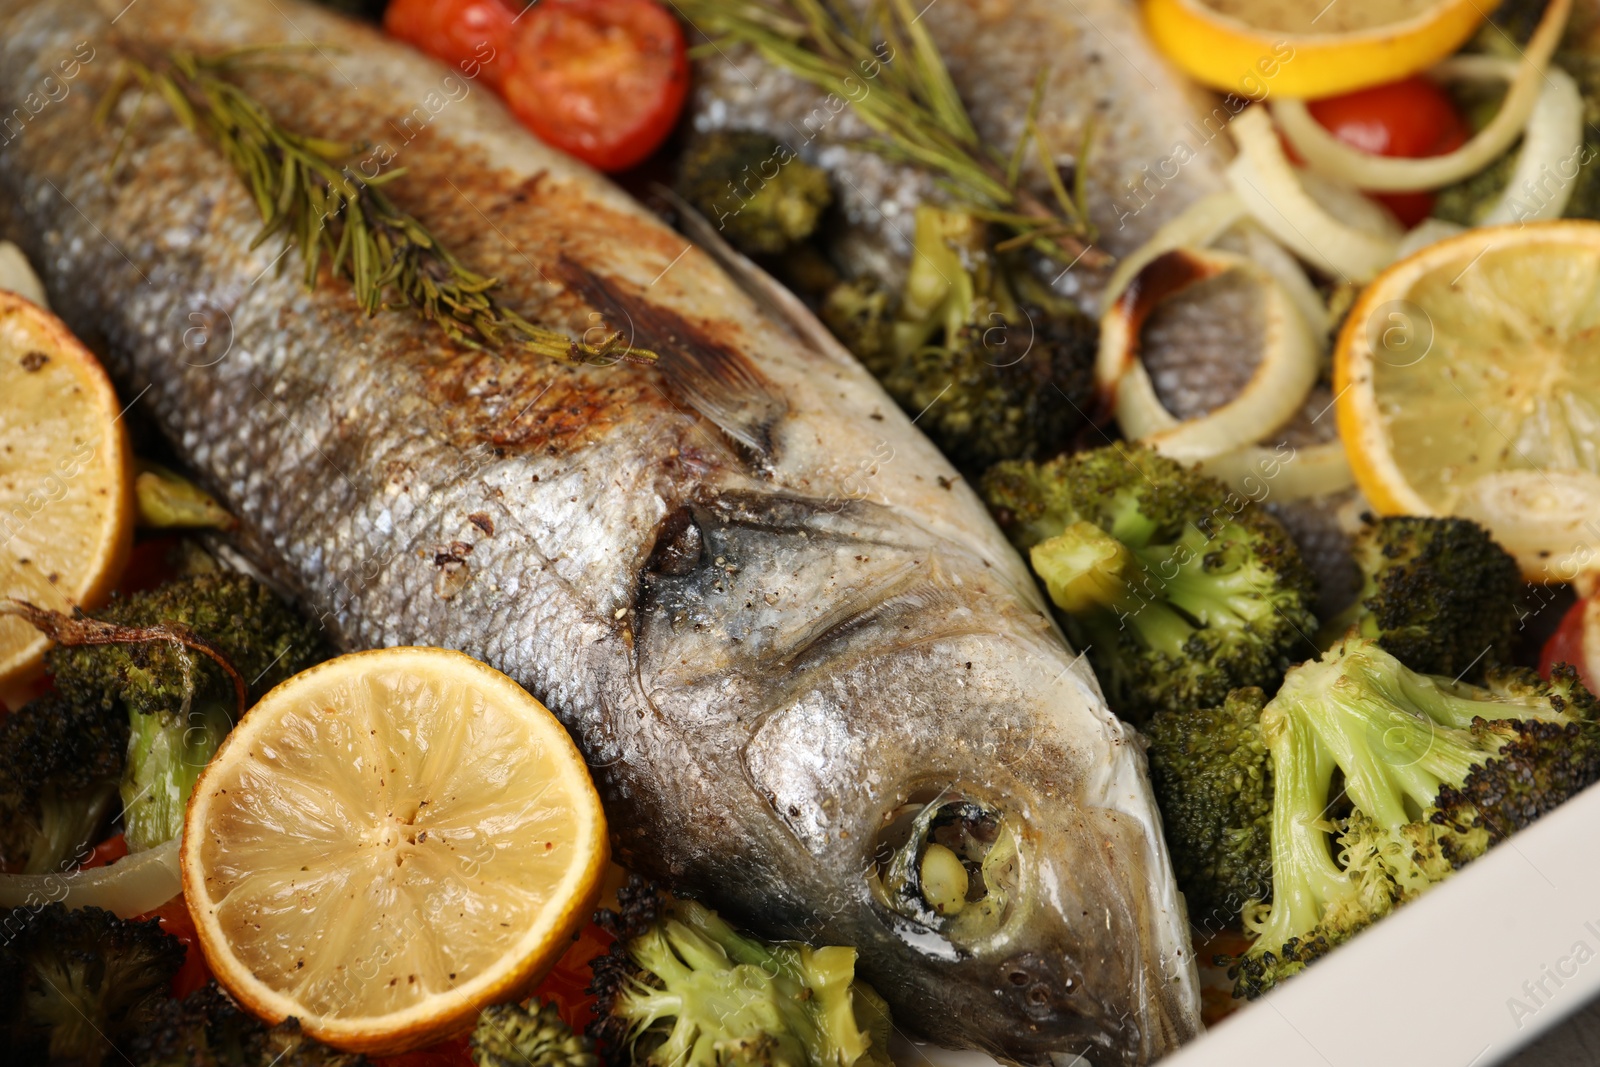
(1052,925)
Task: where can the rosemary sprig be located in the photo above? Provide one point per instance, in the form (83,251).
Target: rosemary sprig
(308,196)
(909,99)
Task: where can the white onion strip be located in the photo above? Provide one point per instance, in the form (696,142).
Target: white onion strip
(1538,188)
(135,884)
(1284,473)
(1283,377)
(1292,276)
(1196,226)
(1264,179)
(1333,157)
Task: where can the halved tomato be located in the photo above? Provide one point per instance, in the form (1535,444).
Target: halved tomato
(471,35)
(603,80)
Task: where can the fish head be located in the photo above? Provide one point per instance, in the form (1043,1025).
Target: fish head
(929,771)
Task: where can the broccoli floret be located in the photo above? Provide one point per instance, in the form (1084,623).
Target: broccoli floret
(1179,589)
(1439,594)
(87,981)
(60,764)
(687,990)
(1213,784)
(861,315)
(529,1034)
(991,364)
(1434,773)
(754,189)
(207,1029)
(180,703)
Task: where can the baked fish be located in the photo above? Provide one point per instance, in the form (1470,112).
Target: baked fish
(786,635)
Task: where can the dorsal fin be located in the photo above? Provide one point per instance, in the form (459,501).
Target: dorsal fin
(717,381)
(770,295)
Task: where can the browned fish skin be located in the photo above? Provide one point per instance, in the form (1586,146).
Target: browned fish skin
(767,609)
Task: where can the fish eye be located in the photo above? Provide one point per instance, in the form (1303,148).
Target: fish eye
(951,865)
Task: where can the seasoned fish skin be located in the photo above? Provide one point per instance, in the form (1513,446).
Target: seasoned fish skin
(769,612)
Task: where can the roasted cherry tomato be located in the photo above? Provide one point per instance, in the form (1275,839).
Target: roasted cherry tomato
(603,80)
(1566,644)
(567,984)
(174,919)
(474,36)
(1410,119)
(110,850)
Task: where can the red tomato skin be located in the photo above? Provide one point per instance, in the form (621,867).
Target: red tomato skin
(474,36)
(174,919)
(602,80)
(1408,119)
(149,565)
(1566,645)
(566,986)
(108,851)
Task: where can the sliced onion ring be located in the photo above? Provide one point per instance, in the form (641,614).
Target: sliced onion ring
(1385,174)
(1196,226)
(1292,276)
(1283,377)
(135,884)
(1552,141)
(1548,520)
(1284,472)
(1264,179)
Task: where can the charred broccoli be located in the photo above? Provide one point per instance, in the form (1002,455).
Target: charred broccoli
(1213,784)
(1179,589)
(529,1034)
(59,768)
(1434,773)
(1439,594)
(207,1029)
(179,703)
(754,189)
(88,981)
(992,364)
(684,989)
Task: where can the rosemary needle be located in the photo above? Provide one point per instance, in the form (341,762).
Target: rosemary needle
(912,105)
(309,198)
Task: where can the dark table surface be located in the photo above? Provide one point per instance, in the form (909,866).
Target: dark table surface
(1574,1042)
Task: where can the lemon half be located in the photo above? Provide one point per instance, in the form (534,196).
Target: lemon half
(1468,383)
(66,500)
(389,842)
(1308,48)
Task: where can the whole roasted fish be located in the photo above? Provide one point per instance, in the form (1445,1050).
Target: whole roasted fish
(787,637)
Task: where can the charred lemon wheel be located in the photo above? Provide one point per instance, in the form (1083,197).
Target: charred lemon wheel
(389,842)
(66,502)
(1468,383)
(1308,48)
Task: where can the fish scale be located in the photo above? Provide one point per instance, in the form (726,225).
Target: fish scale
(777,623)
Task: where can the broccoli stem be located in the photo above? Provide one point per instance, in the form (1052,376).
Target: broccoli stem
(1378,726)
(1305,878)
(166,753)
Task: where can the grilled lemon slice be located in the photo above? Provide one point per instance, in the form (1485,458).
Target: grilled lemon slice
(389,842)
(66,500)
(1468,383)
